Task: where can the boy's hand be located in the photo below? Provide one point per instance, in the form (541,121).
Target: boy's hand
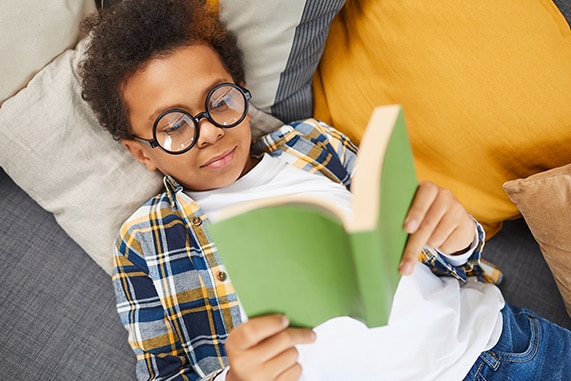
(438,220)
(263,349)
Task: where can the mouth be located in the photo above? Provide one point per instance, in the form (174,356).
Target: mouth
(220,161)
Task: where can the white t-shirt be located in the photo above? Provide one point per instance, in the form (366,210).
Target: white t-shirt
(437,327)
(272,177)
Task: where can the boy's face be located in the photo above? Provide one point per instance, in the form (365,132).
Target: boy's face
(182,80)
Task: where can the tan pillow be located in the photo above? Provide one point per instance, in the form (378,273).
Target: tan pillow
(544,200)
(486,89)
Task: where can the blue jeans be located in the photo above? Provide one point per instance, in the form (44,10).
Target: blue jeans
(530,348)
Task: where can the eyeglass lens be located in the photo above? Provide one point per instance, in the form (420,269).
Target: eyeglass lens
(176,130)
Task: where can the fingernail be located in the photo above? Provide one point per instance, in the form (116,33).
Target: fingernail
(405,268)
(285,321)
(410,226)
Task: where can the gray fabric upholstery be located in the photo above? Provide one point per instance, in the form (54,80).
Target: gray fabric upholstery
(565,8)
(528,281)
(58,318)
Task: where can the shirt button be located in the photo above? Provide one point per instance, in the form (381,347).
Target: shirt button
(221,276)
(196,221)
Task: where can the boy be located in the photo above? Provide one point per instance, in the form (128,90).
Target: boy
(166,79)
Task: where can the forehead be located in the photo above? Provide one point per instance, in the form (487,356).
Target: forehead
(180,79)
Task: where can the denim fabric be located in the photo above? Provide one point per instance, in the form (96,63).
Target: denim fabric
(530,348)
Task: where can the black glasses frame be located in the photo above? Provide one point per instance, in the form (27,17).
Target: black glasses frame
(153,143)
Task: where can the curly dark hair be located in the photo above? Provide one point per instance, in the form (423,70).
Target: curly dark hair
(126,36)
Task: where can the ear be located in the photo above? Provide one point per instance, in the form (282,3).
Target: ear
(139,152)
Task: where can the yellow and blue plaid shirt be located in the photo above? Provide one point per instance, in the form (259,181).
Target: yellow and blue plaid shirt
(173,294)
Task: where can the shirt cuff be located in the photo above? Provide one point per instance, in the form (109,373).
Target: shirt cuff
(222,375)
(460,259)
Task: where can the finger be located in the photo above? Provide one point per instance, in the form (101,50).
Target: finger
(410,255)
(293,373)
(282,363)
(460,237)
(423,199)
(443,223)
(256,330)
(283,341)
(447,226)
(419,223)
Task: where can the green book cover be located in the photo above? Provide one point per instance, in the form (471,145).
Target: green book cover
(302,258)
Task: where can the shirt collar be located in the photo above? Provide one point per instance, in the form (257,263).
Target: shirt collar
(172,187)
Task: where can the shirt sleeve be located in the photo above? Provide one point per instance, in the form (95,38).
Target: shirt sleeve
(157,347)
(335,156)
(341,145)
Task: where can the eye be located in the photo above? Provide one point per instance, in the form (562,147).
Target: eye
(221,104)
(173,124)
(173,128)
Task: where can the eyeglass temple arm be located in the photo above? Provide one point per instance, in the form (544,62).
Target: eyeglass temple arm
(149,143)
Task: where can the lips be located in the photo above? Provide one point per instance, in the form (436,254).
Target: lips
(220,161)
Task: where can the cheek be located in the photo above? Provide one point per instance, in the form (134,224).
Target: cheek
(244,130)
(172,165)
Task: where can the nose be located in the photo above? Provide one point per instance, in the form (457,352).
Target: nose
(208,133)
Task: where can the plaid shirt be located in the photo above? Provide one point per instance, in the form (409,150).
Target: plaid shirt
(173,295)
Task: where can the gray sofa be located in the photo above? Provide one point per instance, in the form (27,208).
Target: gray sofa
(58,318)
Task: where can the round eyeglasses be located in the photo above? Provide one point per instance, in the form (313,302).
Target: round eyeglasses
(176,131)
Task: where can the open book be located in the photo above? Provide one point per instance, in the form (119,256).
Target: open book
(301,257)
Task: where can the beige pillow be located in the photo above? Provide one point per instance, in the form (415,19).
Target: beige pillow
(544,200)
(33,33)
(52,147)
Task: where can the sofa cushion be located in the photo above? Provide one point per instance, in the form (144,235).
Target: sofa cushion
(58,319)
(33,33)
(282,43)
(544,200)
(52,147)
(486,89)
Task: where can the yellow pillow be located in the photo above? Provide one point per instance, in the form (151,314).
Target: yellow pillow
(486,88)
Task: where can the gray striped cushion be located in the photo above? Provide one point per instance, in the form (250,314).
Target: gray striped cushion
(282,42)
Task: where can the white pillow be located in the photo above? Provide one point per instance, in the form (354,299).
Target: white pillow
(33,33)
(52,146)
